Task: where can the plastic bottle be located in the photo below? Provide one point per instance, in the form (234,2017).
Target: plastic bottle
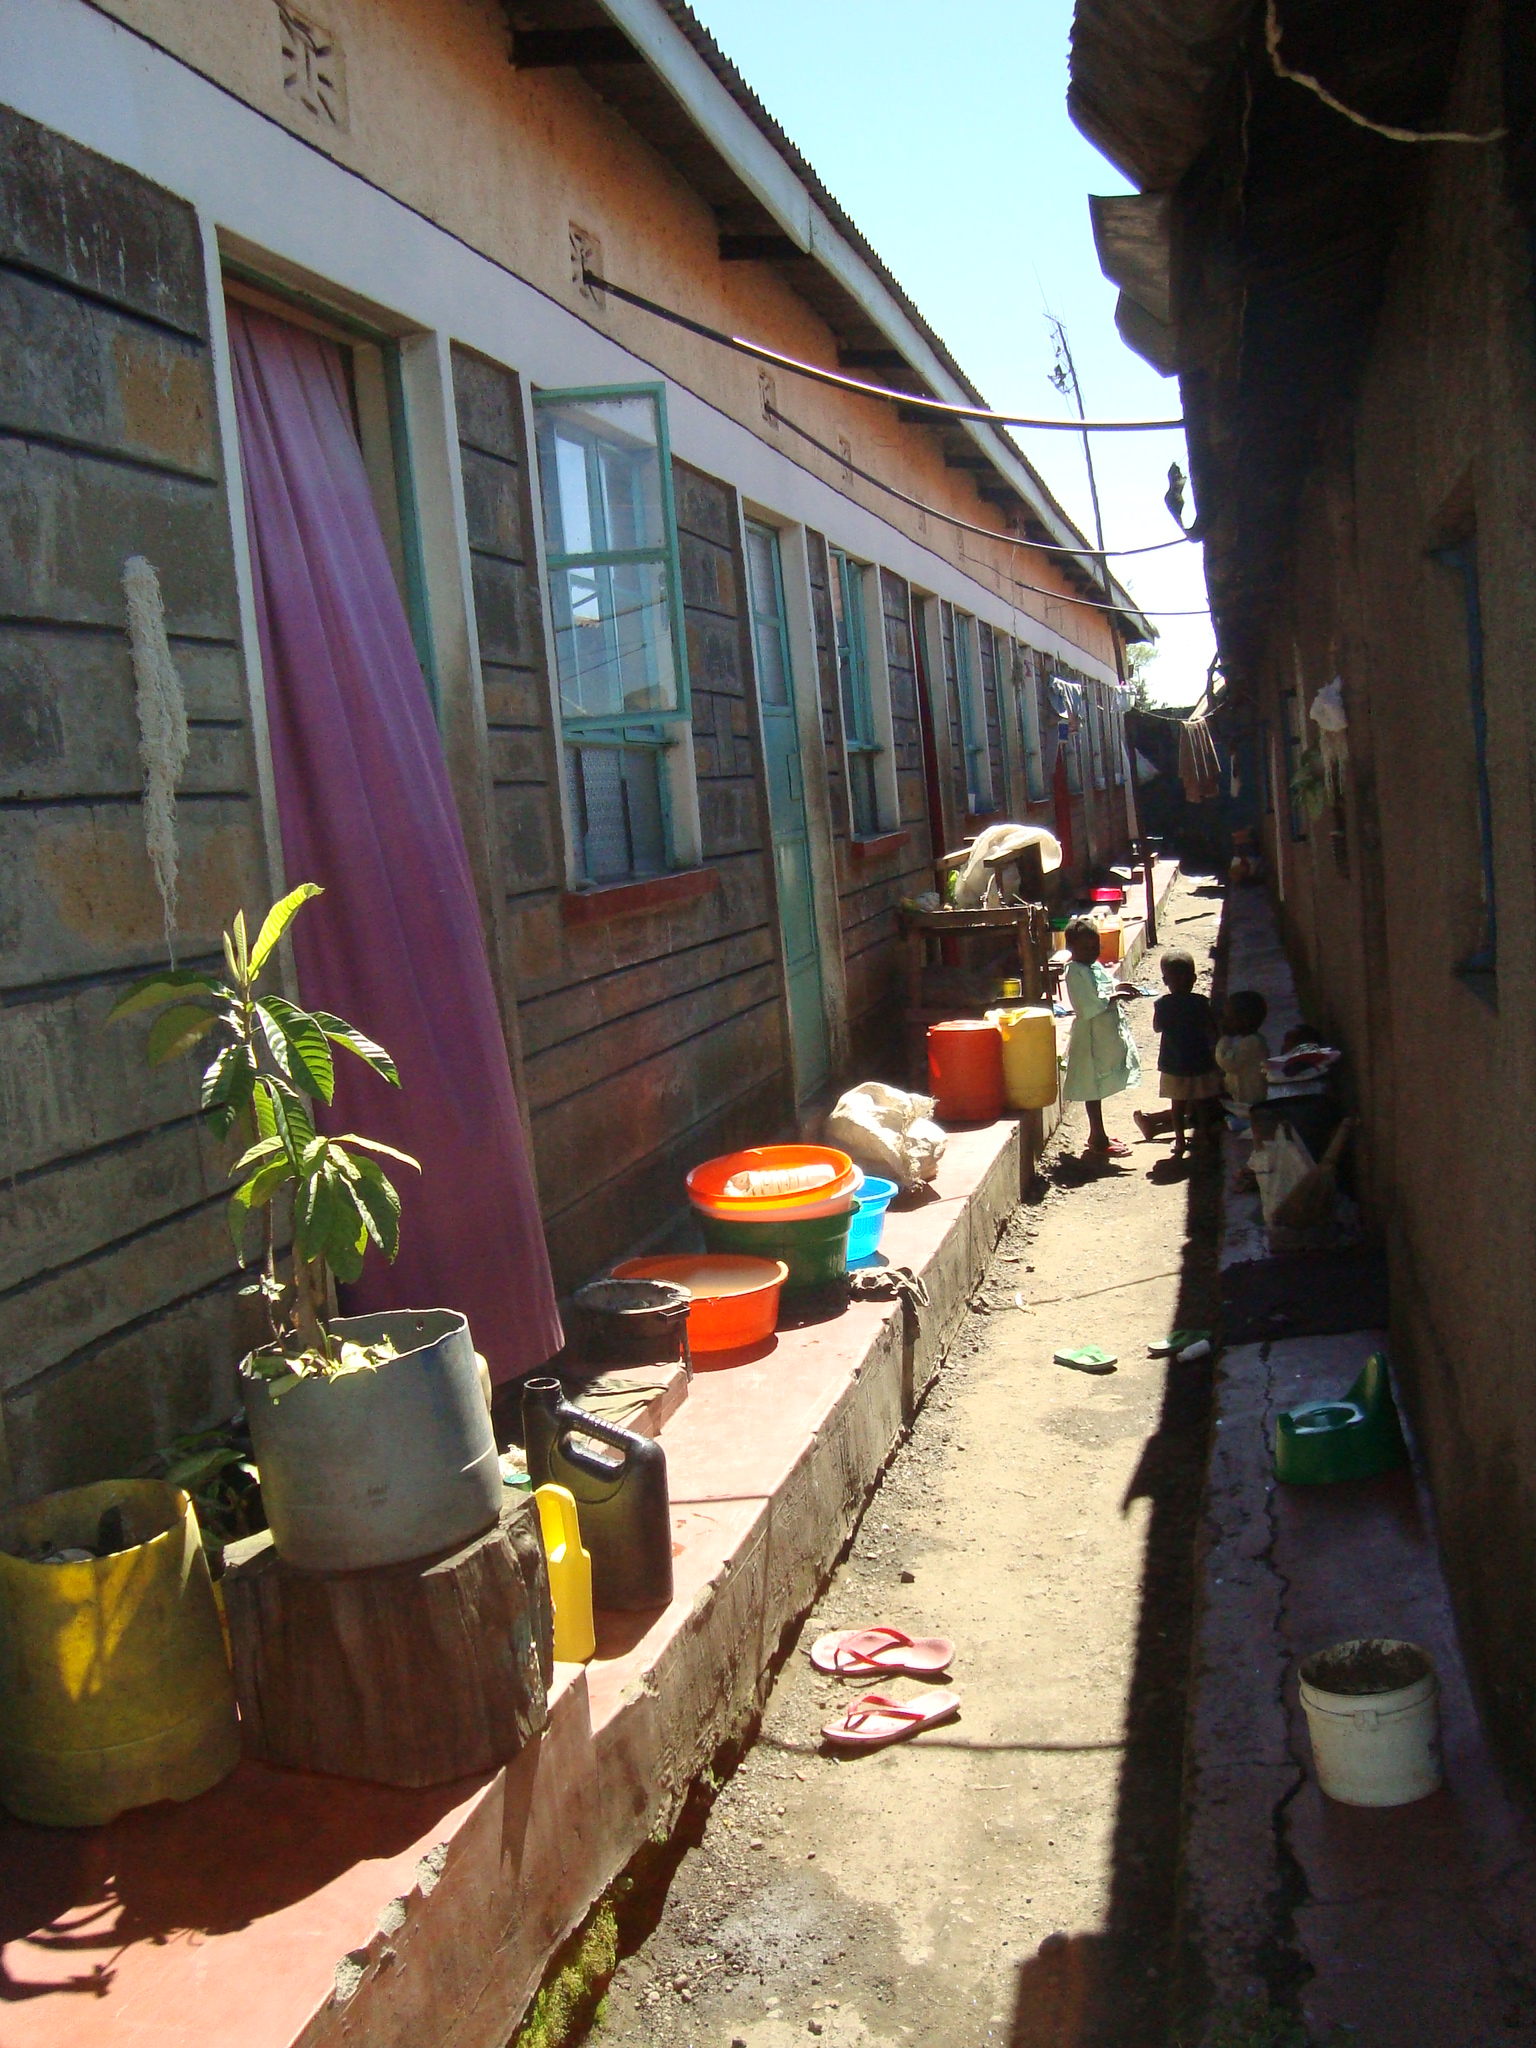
(570,1575)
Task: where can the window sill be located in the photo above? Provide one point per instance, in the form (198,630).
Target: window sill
(628,899)
(878,845)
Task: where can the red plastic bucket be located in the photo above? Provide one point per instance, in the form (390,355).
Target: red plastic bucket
(965,1071)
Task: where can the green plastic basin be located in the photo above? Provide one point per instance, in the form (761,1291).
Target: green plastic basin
(815,1249)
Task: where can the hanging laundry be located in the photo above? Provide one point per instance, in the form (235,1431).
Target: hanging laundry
(1199,765)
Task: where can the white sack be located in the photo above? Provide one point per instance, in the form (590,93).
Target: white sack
(889,1133)
(996,841)
(1277,1167)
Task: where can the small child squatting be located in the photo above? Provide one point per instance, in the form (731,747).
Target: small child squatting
(1101,1053)
(1242,1047)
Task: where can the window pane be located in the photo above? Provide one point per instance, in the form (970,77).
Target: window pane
(616,805)
(642,794)
(861,795)
(978,774)
(767,614)
(852,671)
(613,640)
(600,462)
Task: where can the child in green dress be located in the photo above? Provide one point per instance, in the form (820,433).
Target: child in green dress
(1101,1053)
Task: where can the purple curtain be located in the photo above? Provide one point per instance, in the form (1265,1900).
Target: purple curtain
(395,944)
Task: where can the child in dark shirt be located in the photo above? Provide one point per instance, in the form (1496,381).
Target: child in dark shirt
(1186,1059)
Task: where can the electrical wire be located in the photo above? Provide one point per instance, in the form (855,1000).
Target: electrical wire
(1007,539)
(939,407)
(1043,547)
(1281,69)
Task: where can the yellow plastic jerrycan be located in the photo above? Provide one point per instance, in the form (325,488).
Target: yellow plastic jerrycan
(570,1574)
(115,1687)
(1111,939)
(1029,1056)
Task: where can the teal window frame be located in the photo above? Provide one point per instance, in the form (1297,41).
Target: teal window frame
(854,695)
(656,732)
(1295,744)
(1093,709)
(1026,697)
(978,782)
(777,620)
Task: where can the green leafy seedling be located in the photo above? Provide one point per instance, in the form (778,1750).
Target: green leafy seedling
(271,1062)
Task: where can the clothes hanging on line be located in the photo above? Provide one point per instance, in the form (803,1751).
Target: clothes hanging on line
(1199,765)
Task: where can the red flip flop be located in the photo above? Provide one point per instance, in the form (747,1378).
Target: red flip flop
(872,1722)
(1115,1149)
(881,1652)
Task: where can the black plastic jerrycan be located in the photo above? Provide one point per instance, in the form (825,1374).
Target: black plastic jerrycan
(622,1504)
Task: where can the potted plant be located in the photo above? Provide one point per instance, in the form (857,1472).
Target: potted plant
(372,1434)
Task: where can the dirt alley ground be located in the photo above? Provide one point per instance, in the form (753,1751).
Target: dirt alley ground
(1009,1877)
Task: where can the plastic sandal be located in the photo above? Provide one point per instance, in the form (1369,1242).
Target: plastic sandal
(872,1722)
(881,1652)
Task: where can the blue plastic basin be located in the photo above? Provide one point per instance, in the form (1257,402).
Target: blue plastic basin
(874,1198)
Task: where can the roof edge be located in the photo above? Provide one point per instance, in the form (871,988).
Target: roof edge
(725,110)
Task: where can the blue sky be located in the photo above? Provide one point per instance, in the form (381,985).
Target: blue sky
(944,133)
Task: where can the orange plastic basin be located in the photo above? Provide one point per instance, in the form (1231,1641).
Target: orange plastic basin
(735,1299)
(965,1071)
(706,1183)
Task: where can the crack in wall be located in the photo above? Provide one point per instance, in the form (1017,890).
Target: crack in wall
(1281,1960)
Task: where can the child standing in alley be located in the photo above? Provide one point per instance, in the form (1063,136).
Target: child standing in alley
(1101,1053)
(1186,1059)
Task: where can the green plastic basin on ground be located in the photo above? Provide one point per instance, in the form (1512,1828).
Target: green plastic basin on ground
(815,1249)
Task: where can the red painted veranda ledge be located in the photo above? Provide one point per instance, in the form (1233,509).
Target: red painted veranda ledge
(624,899)
(878,847)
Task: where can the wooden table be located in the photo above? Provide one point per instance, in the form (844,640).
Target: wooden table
(1028,921)
(1031,925)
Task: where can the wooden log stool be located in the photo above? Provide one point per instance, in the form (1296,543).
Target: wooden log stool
(407,1674)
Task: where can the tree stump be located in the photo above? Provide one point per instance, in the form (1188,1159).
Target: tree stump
(411,1674)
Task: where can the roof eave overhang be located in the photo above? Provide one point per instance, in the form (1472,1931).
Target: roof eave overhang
(778,189)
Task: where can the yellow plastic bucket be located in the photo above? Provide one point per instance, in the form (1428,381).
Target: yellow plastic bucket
(1029,1056)
(115,1687)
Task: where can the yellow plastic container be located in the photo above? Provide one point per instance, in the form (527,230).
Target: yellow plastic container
(1111,940)
(570,1574)
(1029,1056)
(115,1687)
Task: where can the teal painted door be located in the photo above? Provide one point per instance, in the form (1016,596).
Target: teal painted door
(786,805)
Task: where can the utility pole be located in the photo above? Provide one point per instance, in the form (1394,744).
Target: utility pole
(1064,377)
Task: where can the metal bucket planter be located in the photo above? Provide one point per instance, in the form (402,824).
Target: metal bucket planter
(373,1468)
(114,1685)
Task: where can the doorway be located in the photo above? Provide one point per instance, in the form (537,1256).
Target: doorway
(786,809)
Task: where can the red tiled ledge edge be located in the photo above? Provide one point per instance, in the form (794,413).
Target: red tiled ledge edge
(624,899)
(878,848)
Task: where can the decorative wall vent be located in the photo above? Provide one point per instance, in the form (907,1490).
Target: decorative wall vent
(586,261)
(314,70)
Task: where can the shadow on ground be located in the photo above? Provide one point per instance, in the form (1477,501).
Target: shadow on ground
(1119,1987)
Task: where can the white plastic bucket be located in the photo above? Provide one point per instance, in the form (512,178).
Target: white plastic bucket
(1373,1712)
